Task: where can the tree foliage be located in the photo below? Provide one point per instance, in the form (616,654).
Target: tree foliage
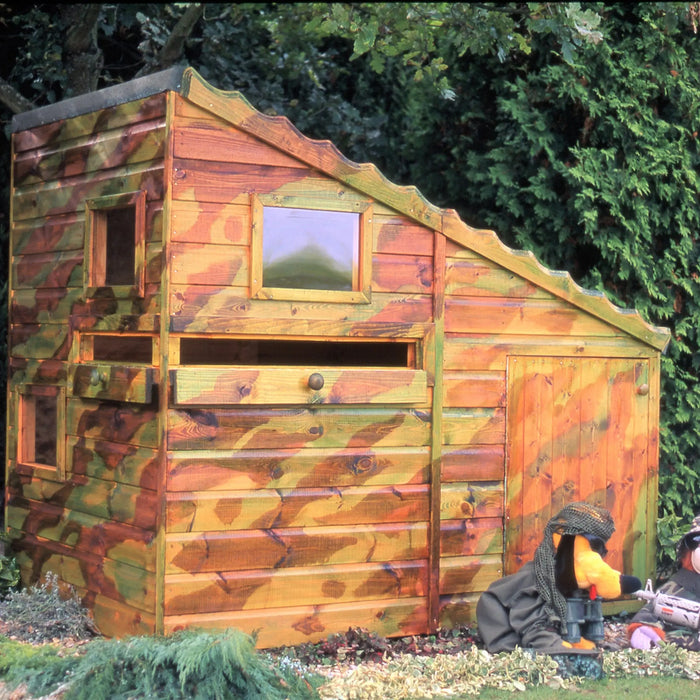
(569,128)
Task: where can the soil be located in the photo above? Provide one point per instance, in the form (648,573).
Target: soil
(345,651)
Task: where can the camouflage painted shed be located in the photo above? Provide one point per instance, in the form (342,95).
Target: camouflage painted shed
(255,384)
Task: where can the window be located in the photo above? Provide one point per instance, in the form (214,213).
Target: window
(326,352)
(115,242)
(41,428)
(303,253)
(110,347)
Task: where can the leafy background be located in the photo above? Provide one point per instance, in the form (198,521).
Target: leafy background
(571,129)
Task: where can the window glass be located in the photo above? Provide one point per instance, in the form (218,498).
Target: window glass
(310,249)
(115,243)
(45,430)
(41,427)
(120,225)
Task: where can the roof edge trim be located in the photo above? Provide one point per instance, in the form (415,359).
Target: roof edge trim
(169,79)
(278,131)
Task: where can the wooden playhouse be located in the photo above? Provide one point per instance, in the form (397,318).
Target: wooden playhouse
(254,384)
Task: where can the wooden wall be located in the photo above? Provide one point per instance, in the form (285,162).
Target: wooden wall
(496,436)
(290,513)
(220,494)
(95,527)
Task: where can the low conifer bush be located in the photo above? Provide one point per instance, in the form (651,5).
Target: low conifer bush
(189,664)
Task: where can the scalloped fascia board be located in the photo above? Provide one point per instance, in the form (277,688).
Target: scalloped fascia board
(279,132)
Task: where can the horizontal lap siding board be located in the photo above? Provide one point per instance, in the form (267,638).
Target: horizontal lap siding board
(129,113)
(294,586)
(411,274)
(206,386)
(204,470)
(210,223)
(312,623)
(130,424)
(394,234)
(210,265)
(487,315)
(87,534)
(209,309)
(102,499)
(270,428)
(53,306)
(474,389)
(489,353)
(281,548)
(478,277)
(239,510)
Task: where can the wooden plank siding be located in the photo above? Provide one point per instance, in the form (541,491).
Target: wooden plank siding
(207,482)
(591,416)
(324,504)
(209,295)
(492,316)
(296,507)
(95,529)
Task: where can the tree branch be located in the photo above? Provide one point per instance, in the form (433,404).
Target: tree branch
(13,100)
(173,47)
(83,57)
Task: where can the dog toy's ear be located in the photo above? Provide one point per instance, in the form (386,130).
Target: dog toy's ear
(564,569)
(591,570)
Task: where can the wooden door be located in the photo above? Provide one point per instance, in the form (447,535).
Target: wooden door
(578,429)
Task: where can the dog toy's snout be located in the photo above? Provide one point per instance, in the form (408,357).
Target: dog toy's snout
(629,584)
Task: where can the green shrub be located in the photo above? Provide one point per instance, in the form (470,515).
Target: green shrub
(25,663)
(41,614)
(189,664)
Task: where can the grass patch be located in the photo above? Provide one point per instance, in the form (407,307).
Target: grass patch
(478,673)
(664,688)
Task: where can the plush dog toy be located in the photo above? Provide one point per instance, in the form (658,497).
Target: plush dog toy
(647,629)
(529,608)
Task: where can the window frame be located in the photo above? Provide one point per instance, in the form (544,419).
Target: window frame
(361,295)
(95,243)
(26,445)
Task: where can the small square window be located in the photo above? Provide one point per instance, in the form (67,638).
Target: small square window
(302,253)
(115,242)
(41,428)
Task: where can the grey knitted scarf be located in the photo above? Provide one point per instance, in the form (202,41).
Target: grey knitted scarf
(573,519)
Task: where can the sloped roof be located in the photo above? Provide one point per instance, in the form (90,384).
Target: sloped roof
(364,177)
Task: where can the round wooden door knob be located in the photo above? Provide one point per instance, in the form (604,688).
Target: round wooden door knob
(316,381)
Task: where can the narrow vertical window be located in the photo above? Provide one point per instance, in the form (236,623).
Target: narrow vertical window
(115,242)
(120,245)
(41,429)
